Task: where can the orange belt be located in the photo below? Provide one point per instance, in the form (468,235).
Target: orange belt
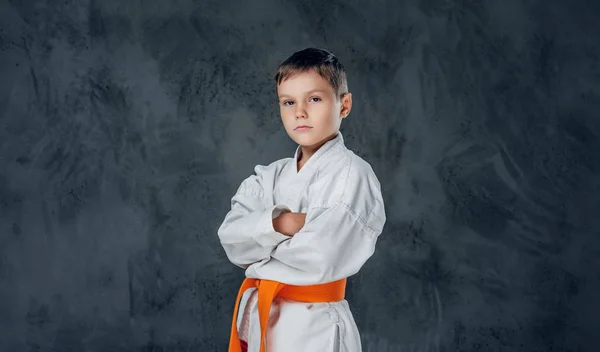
(268,290)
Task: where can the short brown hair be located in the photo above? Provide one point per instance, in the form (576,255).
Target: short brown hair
(322,62)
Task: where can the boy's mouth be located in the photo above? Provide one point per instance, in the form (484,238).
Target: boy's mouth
(302,128)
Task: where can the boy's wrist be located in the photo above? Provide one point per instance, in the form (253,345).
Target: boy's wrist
(280,223)
(289,223)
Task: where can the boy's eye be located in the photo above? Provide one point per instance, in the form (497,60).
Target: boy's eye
(289,102)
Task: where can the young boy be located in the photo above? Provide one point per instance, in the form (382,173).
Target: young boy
(300,226)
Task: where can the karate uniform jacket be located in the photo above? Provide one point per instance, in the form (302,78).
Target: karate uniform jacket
(341,196)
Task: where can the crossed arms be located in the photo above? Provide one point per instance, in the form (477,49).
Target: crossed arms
(325,244)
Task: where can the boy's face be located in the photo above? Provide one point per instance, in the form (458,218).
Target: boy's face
(306,99)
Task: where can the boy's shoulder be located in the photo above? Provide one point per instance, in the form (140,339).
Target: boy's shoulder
(343,159)
(346,178)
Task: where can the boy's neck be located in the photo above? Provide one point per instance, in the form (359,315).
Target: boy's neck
(306,152)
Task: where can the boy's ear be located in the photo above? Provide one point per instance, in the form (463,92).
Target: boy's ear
(346,105)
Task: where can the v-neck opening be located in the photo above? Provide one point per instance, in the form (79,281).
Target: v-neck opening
(298,169)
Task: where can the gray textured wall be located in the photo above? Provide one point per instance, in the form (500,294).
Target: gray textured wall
(126,126)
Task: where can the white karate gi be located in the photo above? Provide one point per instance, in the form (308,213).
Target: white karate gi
(345,215)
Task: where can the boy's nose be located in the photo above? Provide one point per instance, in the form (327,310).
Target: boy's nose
(301,114)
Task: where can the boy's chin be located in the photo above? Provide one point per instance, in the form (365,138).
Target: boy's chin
(306,140)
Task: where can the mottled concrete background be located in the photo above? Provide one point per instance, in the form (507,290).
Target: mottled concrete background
(126,127)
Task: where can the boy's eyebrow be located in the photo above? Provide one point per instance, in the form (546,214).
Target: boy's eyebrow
(310,91)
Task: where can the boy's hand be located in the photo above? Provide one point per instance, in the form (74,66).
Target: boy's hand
(289,223)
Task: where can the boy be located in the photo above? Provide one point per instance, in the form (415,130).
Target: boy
(301,226)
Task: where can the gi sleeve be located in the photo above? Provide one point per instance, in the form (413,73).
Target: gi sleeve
(334,243)
(247,234)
